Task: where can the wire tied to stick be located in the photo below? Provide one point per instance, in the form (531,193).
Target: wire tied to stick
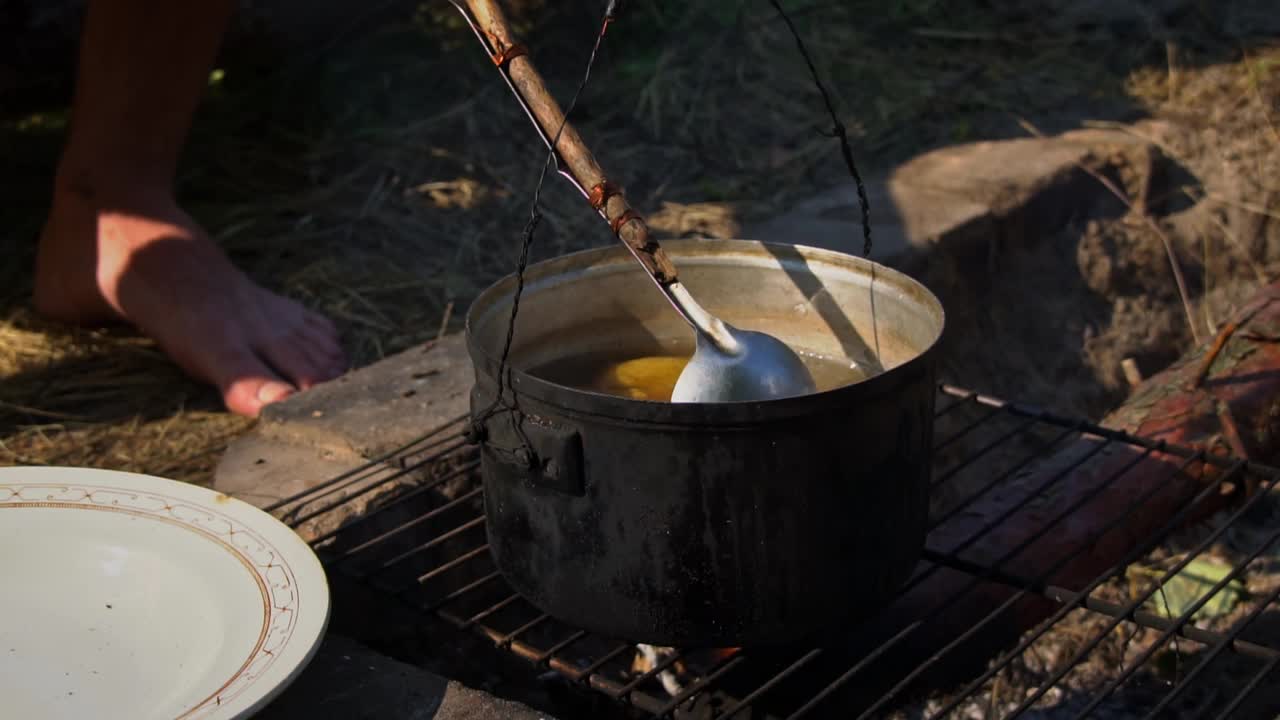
(627,216)
(511,52)
(600,194)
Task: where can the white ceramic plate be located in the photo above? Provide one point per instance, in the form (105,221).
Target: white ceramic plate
(129,596)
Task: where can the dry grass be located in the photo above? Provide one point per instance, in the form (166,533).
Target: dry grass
(388,179)
(101,399)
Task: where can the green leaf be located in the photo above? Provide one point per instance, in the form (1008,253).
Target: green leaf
(1185,589)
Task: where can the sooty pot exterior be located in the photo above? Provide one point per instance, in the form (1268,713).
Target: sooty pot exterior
(720,525)
(717,535)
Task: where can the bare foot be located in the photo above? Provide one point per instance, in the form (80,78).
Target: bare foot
(141,259)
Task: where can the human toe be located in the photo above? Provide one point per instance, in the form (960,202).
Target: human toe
(300,359)
(325,345)
(328,356)
(322,325)
(249,385)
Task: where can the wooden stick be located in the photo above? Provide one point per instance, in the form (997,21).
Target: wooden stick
(578,159)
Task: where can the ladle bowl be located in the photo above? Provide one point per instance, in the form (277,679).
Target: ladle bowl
(751,366)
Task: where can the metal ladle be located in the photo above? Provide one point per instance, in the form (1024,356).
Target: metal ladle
(728,364)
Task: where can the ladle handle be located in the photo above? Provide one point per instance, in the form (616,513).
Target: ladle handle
(580,164)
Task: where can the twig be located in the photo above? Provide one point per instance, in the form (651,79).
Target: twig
(1235,241)
(1106,182)
(1132,374)
(1243,205)
(347,314)
(1231,431)
(50,414)
(1128,129)
(444,321)
(351,293)
(993,700)
(1204,298)
(1219,343)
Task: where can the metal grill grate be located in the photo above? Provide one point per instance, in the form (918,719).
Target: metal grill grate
(1112,646)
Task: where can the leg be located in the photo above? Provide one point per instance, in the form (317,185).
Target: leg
(117,247)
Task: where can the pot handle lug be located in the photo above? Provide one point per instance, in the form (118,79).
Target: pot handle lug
(557,458)
(545,454)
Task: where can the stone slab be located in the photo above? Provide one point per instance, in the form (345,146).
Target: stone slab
(350,681)
(965,196)
(262,471)
(337,426)
(832,220)
(379,407)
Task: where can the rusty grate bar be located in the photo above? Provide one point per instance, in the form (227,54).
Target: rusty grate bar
(460,592)
(1178,625)
(725,667)
(734,709)
(430,549)
(384,469)
(1027,460)
(950,560)
(983,451)
(1118,615)
(435,512)
(989,413)
(954,401)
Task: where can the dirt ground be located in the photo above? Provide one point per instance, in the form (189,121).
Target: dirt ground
(373,167)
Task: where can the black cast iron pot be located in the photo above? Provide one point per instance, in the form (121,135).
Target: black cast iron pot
(708,525)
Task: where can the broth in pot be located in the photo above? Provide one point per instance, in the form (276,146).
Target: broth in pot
(653,377)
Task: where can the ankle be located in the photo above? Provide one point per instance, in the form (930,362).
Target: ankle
(106,184)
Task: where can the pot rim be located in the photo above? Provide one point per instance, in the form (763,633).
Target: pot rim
(721,414)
